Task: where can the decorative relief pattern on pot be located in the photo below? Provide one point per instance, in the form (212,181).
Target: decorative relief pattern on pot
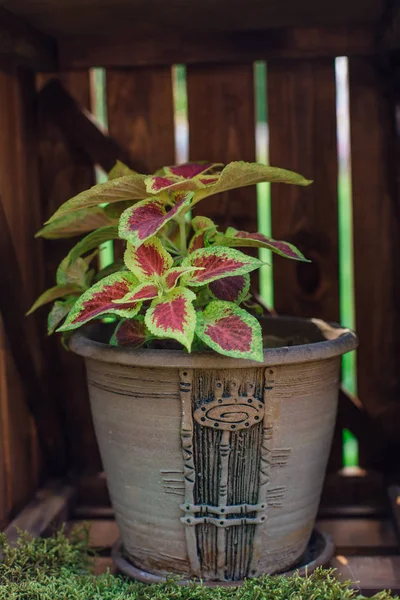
(226,444)
(173,482)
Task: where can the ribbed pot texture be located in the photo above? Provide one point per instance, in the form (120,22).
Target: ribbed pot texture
(215,465)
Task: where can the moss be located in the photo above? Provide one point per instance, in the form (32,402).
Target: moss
(58,568)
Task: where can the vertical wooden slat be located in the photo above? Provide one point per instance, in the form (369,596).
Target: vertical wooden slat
(141,115)
(65,171)
(302,122)
(21,203)
(376,217)
(222,129)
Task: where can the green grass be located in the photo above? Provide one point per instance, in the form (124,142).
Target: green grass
(58,568)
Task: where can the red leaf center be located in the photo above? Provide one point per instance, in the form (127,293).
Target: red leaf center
(103,300)
(171,315)
(214,265)
(231,333)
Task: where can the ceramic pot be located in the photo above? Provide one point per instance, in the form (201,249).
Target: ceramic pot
(215,465)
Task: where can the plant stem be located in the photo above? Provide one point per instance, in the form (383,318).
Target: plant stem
(182,232)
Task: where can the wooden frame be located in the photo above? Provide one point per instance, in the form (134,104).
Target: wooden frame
(49,146)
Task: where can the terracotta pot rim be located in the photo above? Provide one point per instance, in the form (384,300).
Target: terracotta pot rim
(335,341)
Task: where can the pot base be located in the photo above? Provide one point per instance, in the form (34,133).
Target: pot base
(319,551)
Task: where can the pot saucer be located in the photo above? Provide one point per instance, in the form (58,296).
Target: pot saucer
(318,553)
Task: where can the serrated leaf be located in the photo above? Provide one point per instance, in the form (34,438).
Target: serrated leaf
(130,332)
(172,276)
(91,241)
(144,291)
(145,219)
(191,169)
(199,223)
(188,177)
(230,330)
(115,210)
(231,289)
(59,311)
(218,262)
(74,273)
(120,169)
(240,174)
(58,291)
(243,239)
(201,239)
(129,187)
(148,260)
(173,316)
(98,300)
(76,223)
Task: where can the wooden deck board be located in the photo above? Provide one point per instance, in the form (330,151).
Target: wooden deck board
(367,552)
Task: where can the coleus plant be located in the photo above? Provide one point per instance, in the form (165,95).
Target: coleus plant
(181,278)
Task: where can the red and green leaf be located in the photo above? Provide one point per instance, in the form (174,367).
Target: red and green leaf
(76,223)
(198,241)
(99,301)
(188,177)
(201,239)
(243,239)
(59,311)
(144,291)
(130,332)
(199,223)
(190,170)
(145,219)
(128,187)
(171,278)
(218,262)
(231,289)
(173,316)
(148,260)
(58,291)
(230,330)
(240,174)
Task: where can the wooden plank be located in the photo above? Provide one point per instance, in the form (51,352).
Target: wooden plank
(20,200)
(302,117)
(79,127)
(222,129)
(356,536)
(358,495)
(141,115)
(370,574)
(48,509)
(223,47)
(66,170)
(302,121)
(5,480)
(104,564)
(394,497)
(61,17)
(376,221)
(24,44)
(93,492)
(103,533)
(17,328)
